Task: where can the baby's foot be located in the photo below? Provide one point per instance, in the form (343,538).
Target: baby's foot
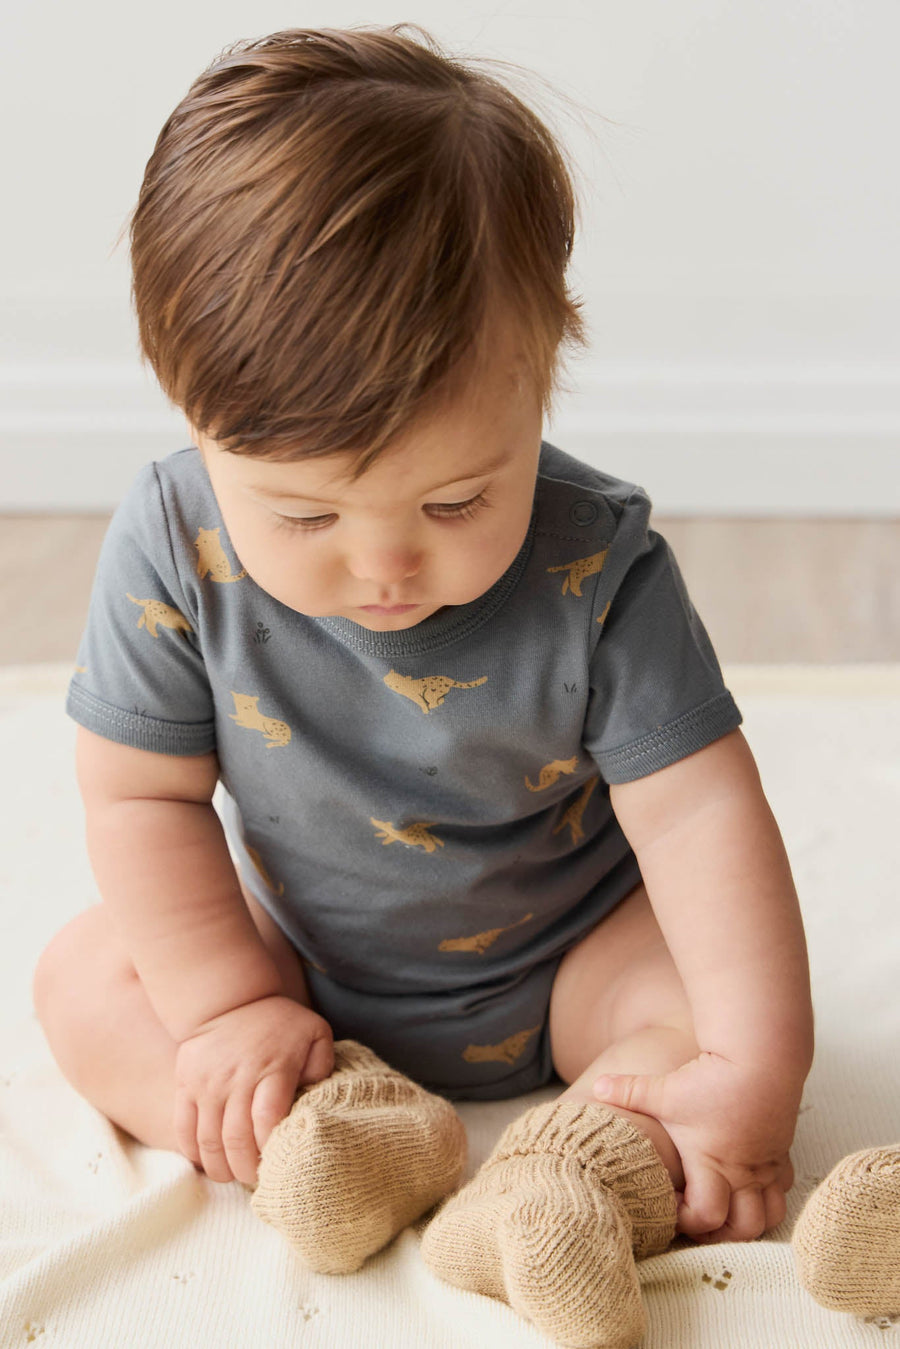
(553,1221)
(361,1155)
(847,1239)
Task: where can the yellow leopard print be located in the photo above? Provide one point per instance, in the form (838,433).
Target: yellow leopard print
(156,612)
(211,559)
(579,569)
(414,835)
(481,940)
(277,732)
(507,1051)
(573,815)
(550,773)
(429,692)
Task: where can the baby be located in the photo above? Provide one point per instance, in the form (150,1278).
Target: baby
(488,821)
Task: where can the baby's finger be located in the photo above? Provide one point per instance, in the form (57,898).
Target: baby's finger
(209,1140)
(785,1176)
(776,1204)
(184,1122)
(237,1135)
(707,1197)
(272,1101)
(746,1215)
(319,1059)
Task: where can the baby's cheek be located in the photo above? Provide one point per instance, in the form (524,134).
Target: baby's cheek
(477,572)
(286,582)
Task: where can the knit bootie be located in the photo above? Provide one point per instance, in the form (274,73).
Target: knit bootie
(846,1240)
(361,1155)
(554,1220)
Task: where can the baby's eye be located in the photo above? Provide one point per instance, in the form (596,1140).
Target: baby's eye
(458,510)
(303,522)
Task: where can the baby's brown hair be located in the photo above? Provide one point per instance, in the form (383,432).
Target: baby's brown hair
(329,226)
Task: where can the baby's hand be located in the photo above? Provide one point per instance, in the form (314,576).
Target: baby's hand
(236,1078)
(732,1126)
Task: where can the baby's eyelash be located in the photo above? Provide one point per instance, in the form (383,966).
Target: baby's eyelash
(302,522)
(450,510)
(459,510)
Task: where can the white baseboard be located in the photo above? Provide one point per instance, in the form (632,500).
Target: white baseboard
(703,438)
(742,438)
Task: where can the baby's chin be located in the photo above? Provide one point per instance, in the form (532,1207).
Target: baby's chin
(375,622)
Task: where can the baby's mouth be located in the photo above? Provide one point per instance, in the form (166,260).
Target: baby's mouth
(388,608)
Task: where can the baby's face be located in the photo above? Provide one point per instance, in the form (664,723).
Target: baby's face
(435,521)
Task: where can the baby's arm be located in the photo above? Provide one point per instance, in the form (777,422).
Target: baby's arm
(164,872)
(719,880)
(162,866)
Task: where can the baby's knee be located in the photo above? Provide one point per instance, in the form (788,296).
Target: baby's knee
(73,973)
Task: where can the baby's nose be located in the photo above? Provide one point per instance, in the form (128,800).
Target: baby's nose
(387,564)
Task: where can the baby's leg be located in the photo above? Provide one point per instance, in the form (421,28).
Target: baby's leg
(361,1153)
(618,1005)
(575,1191)
(103,1031)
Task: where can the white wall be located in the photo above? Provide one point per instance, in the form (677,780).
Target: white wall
(738,253)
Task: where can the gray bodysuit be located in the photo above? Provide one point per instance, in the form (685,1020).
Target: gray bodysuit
(424,813)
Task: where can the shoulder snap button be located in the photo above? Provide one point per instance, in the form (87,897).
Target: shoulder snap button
(583,513)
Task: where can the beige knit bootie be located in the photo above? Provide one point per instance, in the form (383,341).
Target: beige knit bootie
(554,1220)
(846,1240)
(361,1155)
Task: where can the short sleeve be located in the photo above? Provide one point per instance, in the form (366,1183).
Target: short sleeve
(657,692)
(140,677)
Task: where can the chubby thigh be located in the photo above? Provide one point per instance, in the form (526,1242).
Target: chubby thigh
(515,1030)
(615,981)
(103,1031)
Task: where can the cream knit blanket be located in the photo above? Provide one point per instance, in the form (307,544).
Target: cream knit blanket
(104,1242)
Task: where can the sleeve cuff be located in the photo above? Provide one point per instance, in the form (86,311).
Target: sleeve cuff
(667,744)
(137,729)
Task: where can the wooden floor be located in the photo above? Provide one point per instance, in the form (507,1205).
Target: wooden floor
(767,590)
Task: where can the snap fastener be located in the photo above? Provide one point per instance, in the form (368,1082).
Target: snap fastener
(583,513)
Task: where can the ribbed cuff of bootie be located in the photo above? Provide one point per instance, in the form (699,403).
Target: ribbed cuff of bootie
(359,1076)
(611,1150)
(351,1056)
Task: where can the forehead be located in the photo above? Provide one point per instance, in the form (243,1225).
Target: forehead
(477,433)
